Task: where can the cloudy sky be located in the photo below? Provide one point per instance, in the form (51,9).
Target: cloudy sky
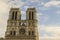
(48,15)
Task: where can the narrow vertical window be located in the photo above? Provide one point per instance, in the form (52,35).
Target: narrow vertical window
(13,16)
(14,33)
(32,32)
(10,32)
(32,16)
(29,15)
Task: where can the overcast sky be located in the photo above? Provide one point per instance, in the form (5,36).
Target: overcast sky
(48,15)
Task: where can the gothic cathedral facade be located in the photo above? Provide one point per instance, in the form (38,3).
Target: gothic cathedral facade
(18,29)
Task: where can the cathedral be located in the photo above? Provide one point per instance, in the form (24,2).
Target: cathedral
(18,29)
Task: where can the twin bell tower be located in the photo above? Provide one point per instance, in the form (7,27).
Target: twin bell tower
(18,29)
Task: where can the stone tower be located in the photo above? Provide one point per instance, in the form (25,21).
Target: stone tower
(18,29)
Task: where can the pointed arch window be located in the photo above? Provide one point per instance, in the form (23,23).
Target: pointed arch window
(29,33)
(32,32)
(13,15)
(14,32)
(32,15)
(11,33)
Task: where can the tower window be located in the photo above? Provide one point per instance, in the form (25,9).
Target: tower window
(13,16)
(10,32)
(32,32)
(29,15)
(14,32)
(32,16)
